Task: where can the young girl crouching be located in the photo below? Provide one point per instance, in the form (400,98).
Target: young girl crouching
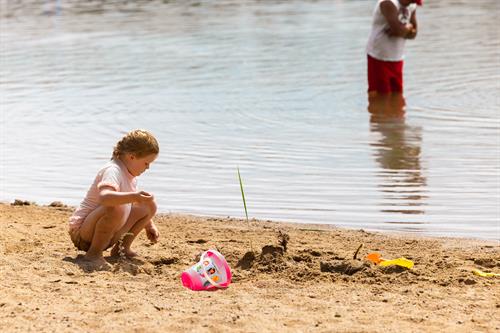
(114,209)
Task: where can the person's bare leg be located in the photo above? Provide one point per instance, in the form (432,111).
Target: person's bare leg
(87,231)
(98,229)
(139,217)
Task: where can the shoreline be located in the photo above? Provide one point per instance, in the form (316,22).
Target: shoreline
(314,286)
(298,224)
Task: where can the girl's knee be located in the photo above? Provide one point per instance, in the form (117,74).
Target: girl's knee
(152,208)
(149,208)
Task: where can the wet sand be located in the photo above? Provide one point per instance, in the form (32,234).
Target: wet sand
(313,286)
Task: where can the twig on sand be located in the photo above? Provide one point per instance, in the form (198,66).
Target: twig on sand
(283,239)
(356,253)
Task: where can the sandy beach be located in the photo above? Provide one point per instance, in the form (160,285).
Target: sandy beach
(313,286)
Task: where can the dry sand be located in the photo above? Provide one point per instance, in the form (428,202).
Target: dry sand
(314,286)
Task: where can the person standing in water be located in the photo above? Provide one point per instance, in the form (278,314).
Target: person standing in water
(394,21)
(114,211)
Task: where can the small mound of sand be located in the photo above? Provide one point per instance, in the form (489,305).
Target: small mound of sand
(246,262)
(487,262)
(347,267)
(270,260)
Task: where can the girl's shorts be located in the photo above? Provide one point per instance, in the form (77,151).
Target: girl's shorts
(80,244)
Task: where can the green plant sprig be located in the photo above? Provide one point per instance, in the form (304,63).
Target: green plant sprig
(244,205)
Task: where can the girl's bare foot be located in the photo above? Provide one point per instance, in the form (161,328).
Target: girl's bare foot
(118,250)
(129,253)
(96,263)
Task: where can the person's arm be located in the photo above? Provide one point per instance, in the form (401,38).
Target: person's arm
(396,28)
(413,20)
(109,197)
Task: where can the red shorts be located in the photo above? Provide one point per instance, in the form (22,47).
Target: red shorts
(385,76)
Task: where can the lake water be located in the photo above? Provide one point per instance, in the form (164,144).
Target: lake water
(277,88)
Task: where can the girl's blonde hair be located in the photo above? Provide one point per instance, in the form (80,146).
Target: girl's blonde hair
(139,143)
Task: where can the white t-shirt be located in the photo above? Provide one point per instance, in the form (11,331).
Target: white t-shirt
(113,174)
(380,45)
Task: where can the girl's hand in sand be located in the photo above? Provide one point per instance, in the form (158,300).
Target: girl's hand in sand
(152,233)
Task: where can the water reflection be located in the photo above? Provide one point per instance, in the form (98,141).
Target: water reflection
(398,151)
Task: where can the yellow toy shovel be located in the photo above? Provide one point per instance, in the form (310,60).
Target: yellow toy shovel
(403,262)
(484,274)
(377,259)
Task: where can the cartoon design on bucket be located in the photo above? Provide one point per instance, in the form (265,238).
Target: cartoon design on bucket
(212,271)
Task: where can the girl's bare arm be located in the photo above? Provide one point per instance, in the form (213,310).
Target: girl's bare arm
(109,197)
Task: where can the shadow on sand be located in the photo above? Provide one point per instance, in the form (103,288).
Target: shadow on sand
(110,264)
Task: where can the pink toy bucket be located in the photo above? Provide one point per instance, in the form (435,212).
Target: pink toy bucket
(212,271)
